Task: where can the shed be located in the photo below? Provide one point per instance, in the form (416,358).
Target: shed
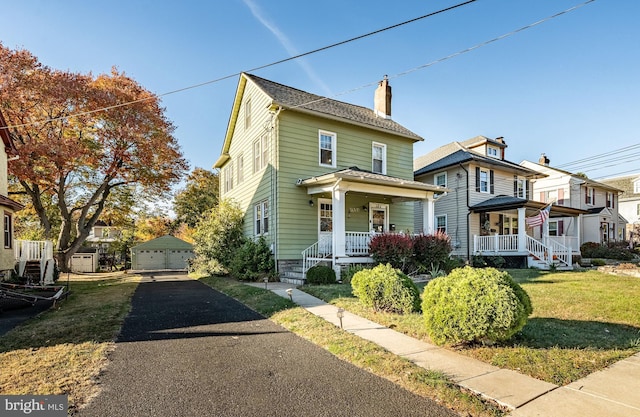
(166,252)
(85,260)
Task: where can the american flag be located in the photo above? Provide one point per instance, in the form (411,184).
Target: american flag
(539,218)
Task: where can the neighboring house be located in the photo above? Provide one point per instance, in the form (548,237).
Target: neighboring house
(8,206)
(601,223)
(166,252)
(489,199)
(315,176)
(628,203)
(101,237)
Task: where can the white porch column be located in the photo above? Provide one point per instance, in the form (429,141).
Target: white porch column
(428,216)
(522,230)
(545,232)
(579,234)
(339,227)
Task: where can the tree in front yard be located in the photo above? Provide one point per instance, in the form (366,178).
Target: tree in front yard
(80,139)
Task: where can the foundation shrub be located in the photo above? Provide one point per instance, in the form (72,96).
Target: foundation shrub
(472,305)
(384,288)
(431,251)
(320,275)
(392,248)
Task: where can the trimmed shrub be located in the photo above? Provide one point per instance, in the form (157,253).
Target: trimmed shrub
(392,248)
(612,250)
(321,274)
(253,261)
(598,262)
(474,305)
(479,261)
(431,251)
(386,289)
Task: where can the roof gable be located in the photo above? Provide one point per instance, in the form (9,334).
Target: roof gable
(292,99)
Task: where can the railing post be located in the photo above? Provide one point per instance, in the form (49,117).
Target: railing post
(496,243)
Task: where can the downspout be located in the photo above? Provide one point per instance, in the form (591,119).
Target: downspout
(468,217)
(274,185)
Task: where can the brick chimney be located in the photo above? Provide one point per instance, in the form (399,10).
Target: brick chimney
(543,160)
(382,99)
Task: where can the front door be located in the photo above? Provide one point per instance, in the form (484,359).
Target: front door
(325,225)
(379,217)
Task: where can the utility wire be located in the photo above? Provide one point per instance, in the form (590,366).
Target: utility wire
(324,48)
(600,156)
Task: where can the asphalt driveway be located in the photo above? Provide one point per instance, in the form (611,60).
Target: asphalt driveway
(188,350)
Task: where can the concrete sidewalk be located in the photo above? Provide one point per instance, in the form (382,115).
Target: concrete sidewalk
(612,392)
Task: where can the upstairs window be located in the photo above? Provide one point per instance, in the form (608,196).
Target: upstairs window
(519,187)
(492,152)
(610,200)
(484,180)
(327,144)
(636,187)
(590,196)
(440,179)
(260,153)
(379,158)
(240,167)
(247,113)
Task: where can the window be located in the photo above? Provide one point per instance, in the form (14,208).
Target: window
(227,173)
(484,180)
(590,196)
(8,231)
(636,187)
(327,148)
(492,152)
(638,210)
(379,158)
(326,217)
(440,179)
(261,211)
(260,153)
(556,228)
(519,187)
(240,167)
(441,223)
(610,200)
(247,113)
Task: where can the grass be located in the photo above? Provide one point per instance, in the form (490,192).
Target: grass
(582,322)
(353,349)
(62,350)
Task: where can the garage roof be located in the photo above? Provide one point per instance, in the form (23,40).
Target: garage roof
(164,242)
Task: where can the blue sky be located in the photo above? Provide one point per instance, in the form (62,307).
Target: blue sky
(568,87)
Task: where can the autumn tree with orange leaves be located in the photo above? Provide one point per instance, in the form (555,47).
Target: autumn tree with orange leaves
(78,146)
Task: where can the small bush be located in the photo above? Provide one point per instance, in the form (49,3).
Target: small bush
(474,305)
(386,289)
(487,261)
(598,262)
(253,261)
(392,248)
(431,251)
(612,250)
(321,274)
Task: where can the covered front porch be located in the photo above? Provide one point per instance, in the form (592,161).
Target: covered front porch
(354,205)
(501,230)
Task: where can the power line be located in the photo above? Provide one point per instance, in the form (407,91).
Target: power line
(600,156)
(324,48)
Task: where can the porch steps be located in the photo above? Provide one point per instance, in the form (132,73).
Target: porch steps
(292,274)
(535,262)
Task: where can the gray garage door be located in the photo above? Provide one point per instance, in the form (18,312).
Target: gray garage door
(178,258)
(151,259)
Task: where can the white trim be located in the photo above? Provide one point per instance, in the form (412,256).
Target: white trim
(435,182)
(334,143)
(384,157)
(488,172)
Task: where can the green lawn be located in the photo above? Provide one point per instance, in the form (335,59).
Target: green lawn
(582,322)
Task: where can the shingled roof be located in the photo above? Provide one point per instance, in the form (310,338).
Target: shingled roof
(293,99)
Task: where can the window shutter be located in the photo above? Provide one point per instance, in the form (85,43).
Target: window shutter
(560,227)
(478,179)
(491,189)
(515,185)
(586,195)
(542,199)
(593,197)
(528,191)
(561,196)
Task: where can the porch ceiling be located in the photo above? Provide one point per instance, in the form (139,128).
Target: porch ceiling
(356,180)
(503,202)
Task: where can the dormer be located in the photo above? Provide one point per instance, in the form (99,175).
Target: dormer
(493,148)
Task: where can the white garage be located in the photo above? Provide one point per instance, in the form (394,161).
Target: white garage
(166,252)
(84,262)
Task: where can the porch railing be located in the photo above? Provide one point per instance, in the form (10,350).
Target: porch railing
(537,248)
(496,243)
(314,254)
(566,241)
(357,243)
(35,250)
(559,252)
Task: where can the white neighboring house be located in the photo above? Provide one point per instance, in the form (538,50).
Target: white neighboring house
(102,236)
(629,203)
(602,222)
